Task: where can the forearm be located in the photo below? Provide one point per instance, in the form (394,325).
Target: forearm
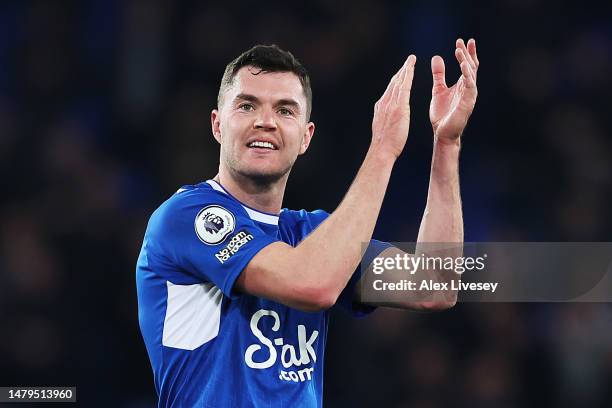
(330,255)
(442,220)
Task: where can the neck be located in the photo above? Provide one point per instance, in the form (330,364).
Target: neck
(262,197)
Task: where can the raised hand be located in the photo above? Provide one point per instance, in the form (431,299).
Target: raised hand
(392,112)
(451,108)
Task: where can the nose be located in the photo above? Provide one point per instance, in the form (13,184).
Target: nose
(265,120)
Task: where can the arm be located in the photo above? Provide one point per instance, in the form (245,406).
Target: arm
(442,219)
(312,275)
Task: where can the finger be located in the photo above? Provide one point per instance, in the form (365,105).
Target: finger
(459,55)
(471,46)
(389,91)
(462,57)
(461,46)
(468,74)
(438,73)
(406,83)
(400,79)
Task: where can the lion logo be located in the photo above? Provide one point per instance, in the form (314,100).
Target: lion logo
(212,222)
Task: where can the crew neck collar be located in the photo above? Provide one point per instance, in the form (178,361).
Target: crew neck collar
(254,214)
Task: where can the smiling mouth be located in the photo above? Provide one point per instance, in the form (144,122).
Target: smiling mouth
(262,145)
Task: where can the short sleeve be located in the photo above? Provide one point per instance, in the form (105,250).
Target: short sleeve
(346,299)
(207,236)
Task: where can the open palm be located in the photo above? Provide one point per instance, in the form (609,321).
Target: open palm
(451,107)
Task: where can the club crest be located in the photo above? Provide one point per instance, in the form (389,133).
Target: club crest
(213,224)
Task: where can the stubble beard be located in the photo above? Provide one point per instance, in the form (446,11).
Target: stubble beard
(257,177)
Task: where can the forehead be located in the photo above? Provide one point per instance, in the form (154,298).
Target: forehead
(267,85)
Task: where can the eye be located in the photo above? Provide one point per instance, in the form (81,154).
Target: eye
(285,112)
(247,107)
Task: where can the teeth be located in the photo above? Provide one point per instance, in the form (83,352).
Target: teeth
(267,145)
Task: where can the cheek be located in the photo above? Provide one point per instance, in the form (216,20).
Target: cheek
(234,130)
(295,134)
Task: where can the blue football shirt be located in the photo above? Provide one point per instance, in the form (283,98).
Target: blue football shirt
(209,345)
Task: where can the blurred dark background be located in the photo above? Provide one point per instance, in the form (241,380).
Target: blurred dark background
(104,113)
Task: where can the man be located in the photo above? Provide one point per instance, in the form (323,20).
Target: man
(233,292)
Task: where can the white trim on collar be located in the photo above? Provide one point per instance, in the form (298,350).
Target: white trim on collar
(253,214)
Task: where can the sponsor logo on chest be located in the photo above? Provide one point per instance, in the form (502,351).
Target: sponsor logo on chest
(289,356)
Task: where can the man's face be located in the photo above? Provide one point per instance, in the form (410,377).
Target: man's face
(261,124)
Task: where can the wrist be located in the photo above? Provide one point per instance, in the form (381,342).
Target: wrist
(445,160)
(381,157)
(453,142)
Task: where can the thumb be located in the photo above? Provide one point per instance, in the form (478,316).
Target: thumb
(438,72)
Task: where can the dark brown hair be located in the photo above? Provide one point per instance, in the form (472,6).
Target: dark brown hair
(267,58)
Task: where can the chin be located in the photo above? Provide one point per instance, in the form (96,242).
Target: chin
(264,177)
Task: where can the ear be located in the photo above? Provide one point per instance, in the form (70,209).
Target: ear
(215,123)
(309,132)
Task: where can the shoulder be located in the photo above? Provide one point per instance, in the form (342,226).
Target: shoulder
(190,203)
(194,198)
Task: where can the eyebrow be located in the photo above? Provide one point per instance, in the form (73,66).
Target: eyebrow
(281,102)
